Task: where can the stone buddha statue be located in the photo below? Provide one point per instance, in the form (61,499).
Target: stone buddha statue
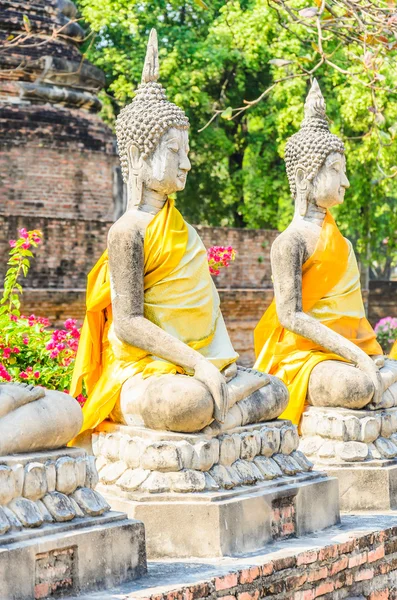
(154,349)
(315,336)
(34,418)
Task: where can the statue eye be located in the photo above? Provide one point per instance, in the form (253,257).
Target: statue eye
(174,148)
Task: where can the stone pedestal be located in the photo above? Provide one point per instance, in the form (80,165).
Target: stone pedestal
(203,495)
(57,534)
(359,447)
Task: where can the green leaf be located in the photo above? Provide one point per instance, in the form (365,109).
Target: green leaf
(227,113)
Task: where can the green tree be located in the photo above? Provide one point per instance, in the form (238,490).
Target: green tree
(215,60)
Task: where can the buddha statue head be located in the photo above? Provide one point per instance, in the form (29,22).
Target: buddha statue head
(152,136)
(314,158)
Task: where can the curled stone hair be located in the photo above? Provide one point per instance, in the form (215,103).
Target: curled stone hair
(150,114)
(312,144)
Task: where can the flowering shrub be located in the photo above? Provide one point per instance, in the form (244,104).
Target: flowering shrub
(218,257)
(386,332)
(29,350)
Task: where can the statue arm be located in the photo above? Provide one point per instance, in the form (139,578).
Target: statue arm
(126,263)
(287,257)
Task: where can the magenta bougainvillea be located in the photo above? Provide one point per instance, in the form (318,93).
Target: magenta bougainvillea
(219,257)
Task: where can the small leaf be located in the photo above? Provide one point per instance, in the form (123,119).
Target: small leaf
(26,23)
(309,13)
(227,113)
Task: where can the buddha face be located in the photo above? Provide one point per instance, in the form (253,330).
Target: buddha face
(165,171)
(330,183)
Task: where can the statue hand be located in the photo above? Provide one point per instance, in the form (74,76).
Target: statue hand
(211,377)
(379,360)
(369,367)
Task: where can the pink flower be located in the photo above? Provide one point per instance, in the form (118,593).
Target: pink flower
(81,399)
(26,245)
(12,243)
(36,239)
(54,353)
(23,375)
(13,318)
(4,374)
(61,347)
(23,233)
(6,352)
(16,350)
(50,345)
(36,374)
(29,369)
(25,340)
(70,323)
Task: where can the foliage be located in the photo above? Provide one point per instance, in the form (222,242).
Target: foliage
(219,257)
(29,350)
(386,332)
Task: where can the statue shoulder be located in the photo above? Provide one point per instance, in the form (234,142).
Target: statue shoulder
(290,243)
(127,227)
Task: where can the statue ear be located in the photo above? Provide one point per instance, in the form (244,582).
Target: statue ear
(302,188)
(135,171)
(134,159)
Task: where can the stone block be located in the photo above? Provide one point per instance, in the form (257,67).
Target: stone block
(302,461)
(66,475)
(91,477)
(286,464)
(47,518)
(187,480)
(51,475)
(111,447)
(35,483)
(203,456)
(373,452)
(112,471)
(270,440)
(309,424)
(353,429)
(387,427)
(386,447)
(7,484)
(13,520)
(249,446)
(161,456)
(76,508)
(186,453)
(289,439)
(234,476)
(26,512)
(133,449)
(59,506)
(81,471)
(4,522)
(222,477)
(310,445)
(370,429)
(156,483)
(90,502)
(352,451)
(227,450)
(338,428)
(327,449)
(210,483)
(247,471)
(268,468)
(132,479)
(324,426)
(97,440)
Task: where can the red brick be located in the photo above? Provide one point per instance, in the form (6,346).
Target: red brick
(295,581)
(248,596)
(249,575)
(307,558)
(363,575)
(346,547)
(376,553)
(339,565)
(279,564)
(41,590)
(358,559)
(324,588)
(267,569)
(304,595)
(318,574)
(288,528)
(226,582)
(328,552)
(379,595)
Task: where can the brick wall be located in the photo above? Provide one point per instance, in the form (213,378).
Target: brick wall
(363,567)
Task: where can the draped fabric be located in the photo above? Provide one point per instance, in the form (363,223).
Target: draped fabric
(393,351)
(331,293)
(179,296)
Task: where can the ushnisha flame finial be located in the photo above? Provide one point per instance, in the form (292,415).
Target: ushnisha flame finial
(151,68)
(310,146)
(142,122)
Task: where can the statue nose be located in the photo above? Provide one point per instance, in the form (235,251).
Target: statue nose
(185,164)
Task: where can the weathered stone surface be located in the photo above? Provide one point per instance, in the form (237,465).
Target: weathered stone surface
(247,471)
(186,453)
(268,468)
(81,471)
(302,461)
(289,440)
(387,426)
(132,479)
(338,428)
(76,507)
(161,456)
(92,477)
(309,424)
(19,476)
(35,483)
(47,518)
(26,512)
(324,427)
(100,463)
(51,475)
(386,447)
(187,480)
(97,441)
(270,440)
(112,471)
(59,506)
(66,475)
(327,449)
(373,452)
(90,502)
(210,483)
(7,484)
(370,429)
(309,446)
(203,456)
(286,464)
(249,446)
(156,483)
(227,451)
(12,518)
(111,447)
(221,477)
(352,451)
(133,449)
(5,525)
(234,476)
(353,429)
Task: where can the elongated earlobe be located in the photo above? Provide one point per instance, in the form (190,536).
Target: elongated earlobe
(302,188)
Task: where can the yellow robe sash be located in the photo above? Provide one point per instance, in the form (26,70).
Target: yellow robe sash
(393,351)
(179,296)
(331,293)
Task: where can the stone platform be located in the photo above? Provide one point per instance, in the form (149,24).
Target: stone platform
(359,447)
(214,495)
(57,534)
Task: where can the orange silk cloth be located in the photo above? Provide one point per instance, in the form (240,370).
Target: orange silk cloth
(393,351)
(331,293)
